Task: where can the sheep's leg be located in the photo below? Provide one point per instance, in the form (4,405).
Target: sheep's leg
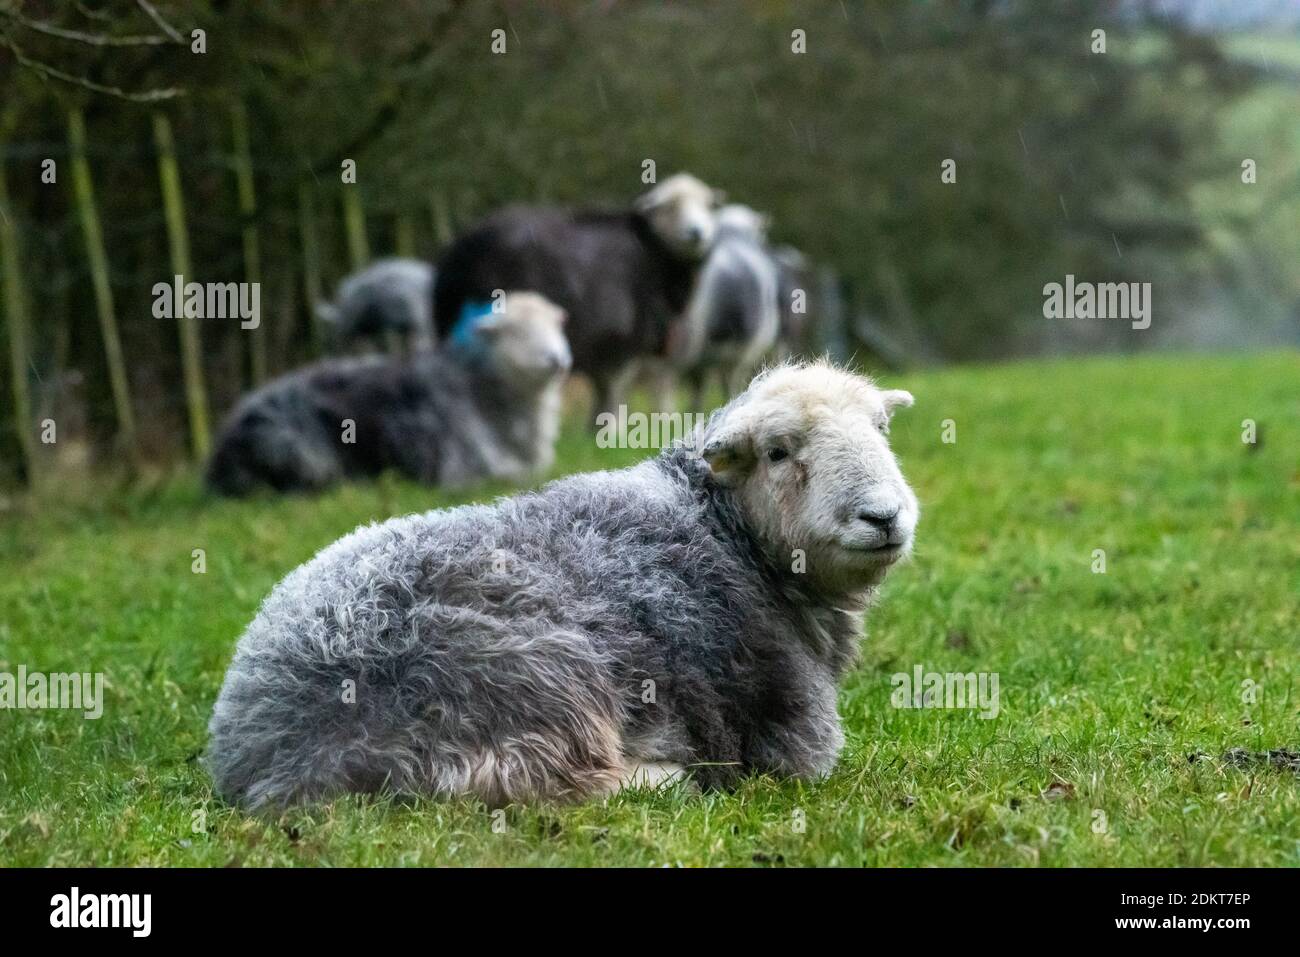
(601,394)
(611,389)
(696,379)
(665,386)
(621,385)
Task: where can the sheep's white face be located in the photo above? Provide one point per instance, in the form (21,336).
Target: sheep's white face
(526,340)
(681,210)
(806,452)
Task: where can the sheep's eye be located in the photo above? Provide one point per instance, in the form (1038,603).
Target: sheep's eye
(776,454)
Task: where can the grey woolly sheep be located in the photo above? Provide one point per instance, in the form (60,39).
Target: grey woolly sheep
(692,615)
(388,296)
(485,406)
(734,315)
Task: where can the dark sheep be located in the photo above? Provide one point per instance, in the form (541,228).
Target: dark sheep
(624,277)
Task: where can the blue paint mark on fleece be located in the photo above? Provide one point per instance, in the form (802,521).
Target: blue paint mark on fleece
(462,333)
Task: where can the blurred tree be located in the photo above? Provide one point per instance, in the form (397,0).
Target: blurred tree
(1065,160)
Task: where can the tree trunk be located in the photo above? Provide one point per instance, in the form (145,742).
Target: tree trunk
(404,236)
(196,400)
(441,213)
(311,274)
(16,315)
(84,195)
(252,249)
(354,221)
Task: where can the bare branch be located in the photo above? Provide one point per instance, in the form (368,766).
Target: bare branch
(147,96)
(100,15)
(157,18)
(91,39)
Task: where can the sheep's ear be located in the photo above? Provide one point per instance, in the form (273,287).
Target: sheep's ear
(648,201)
(896,399)
(730,452)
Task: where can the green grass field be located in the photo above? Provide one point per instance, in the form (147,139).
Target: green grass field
(1121,693)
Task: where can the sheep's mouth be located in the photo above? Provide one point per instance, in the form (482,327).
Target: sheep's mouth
(881,553)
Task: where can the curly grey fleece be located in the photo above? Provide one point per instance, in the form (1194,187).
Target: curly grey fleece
(440,417)
(534,647)
(390,295)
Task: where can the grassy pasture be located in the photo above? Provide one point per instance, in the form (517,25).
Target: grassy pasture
(1122,695)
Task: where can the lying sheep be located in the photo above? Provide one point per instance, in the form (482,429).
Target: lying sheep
(734,315)
(695,611)
(623,275)
(391,296)
(486,405)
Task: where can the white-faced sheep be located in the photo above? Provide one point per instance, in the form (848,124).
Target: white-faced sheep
(487,405)
(693,612)
(734,316)
(391,296)
(624,276)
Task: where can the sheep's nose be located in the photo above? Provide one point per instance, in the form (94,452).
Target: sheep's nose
(879,517)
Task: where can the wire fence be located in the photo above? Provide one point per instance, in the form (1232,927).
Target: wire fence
(97,361)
